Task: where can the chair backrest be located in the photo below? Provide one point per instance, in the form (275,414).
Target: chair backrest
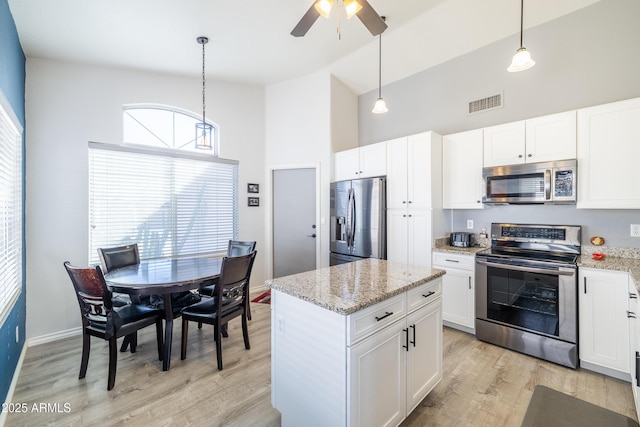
(234,281)
(91,290)
(238,248)
(120,256)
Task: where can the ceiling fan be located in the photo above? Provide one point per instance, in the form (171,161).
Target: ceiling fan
(360,8)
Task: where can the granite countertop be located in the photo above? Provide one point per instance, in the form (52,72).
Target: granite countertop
(350,287)
(629,265)
(442,245)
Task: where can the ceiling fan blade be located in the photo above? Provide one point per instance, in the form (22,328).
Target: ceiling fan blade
(306,22)
(370,18)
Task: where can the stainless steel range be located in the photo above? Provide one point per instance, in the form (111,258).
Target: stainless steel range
(527,290)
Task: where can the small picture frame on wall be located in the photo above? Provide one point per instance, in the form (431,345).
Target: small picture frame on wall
(254,201)
(253,188)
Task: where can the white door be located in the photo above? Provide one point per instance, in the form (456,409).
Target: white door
(294,221)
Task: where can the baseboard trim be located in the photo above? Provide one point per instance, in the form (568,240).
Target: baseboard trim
(606,371)
(43,339)
(14,382)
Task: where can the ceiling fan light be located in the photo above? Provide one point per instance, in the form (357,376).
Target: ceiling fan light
(351,7)
(380,107)
(324,7)
(521,61)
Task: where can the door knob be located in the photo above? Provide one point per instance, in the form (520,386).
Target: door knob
(312,235)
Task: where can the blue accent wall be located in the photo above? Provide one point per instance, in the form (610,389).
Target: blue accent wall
(12,83)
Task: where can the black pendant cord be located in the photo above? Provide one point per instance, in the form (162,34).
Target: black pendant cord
(203,85)
(380,69)
(521,20)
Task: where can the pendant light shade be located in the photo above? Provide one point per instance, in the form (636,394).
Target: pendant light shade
(380,106)
(204,131)
(522,59)
(351,7)
(324,7)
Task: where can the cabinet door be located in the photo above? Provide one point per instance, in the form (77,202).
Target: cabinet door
(377,378)
(418,167)
(458,297)
(462,170)
(373,160)
(604,327)
(397,228)
(504,144)
(608,153)
(424,358)
(397,176)
(551,137)
(419,238)
(347,164)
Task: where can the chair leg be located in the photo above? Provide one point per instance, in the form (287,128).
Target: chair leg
(245,332)
(199,325)
(86,348)
(223,330)
(185,334)
(248,309)
(159,337)
(133,341)
(218,337)
(113,361)
(125,344)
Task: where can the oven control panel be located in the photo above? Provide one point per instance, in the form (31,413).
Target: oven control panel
(534,232)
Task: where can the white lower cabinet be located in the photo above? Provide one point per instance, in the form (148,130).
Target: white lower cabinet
(634,343)
(393,370)
(370,368)
(458,290)
(604,325)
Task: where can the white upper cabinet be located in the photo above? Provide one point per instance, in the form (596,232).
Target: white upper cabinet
(541,139)
(609,155)
(551,137)
(462,170)
(361,162)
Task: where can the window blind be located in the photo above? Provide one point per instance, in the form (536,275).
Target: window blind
(171,204)
(10,208)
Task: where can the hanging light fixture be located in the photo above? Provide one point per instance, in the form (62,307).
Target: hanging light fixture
(204,131)
(380,106)
(522,59)
(324,7)
(351,7)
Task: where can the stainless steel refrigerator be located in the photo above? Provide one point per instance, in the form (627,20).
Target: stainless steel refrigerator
(358,220)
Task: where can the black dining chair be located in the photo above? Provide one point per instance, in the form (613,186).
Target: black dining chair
(118,257)
(101,319)
(235,248)
(228,302)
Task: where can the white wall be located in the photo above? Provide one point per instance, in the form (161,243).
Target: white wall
(68,105)
(304,117)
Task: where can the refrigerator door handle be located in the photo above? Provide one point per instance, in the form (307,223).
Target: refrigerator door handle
(353,218)
(349,218)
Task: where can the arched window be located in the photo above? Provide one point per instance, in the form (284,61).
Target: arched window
(164,127)
(160,192)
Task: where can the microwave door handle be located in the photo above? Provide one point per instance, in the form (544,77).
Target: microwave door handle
(547,184)
(526,269)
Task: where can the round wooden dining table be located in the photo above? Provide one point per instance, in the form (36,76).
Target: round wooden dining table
(164,277)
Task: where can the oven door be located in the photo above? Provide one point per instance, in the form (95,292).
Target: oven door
(539,298)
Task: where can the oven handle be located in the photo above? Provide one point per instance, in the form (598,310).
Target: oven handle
(527,269)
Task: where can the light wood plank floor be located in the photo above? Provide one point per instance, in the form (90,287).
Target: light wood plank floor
(483,385)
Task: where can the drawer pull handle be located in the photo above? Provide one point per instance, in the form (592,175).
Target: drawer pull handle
(631,314)
(429,294)
(452,260)
(633,296)
(386,314)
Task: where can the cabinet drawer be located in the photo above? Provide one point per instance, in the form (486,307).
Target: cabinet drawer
(423,294)
(365,322)
(449,260)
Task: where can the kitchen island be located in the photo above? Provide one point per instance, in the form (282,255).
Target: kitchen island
(357,344)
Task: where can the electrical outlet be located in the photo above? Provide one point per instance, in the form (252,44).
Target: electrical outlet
(17,334)
(635,230)
(469,224)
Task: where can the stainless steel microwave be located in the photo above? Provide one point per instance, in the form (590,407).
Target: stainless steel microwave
(548,182)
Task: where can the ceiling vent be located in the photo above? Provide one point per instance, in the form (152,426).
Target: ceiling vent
(485,104)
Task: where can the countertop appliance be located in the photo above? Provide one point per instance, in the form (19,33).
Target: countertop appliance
(548,182)
(462,239)
(358,220)
(527,290)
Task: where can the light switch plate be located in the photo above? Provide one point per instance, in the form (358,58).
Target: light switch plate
(635,230)
(469,224)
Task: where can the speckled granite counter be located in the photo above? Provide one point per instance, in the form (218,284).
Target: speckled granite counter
(347,288)
(630,265)
(442,245)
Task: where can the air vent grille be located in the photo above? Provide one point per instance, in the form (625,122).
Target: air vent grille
(484,104)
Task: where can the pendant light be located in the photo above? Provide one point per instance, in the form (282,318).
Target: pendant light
(522,59)
(380,106)
(204,131)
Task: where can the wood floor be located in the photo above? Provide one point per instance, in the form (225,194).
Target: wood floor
(483,385)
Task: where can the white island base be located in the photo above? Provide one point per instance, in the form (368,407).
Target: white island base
(350,362)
